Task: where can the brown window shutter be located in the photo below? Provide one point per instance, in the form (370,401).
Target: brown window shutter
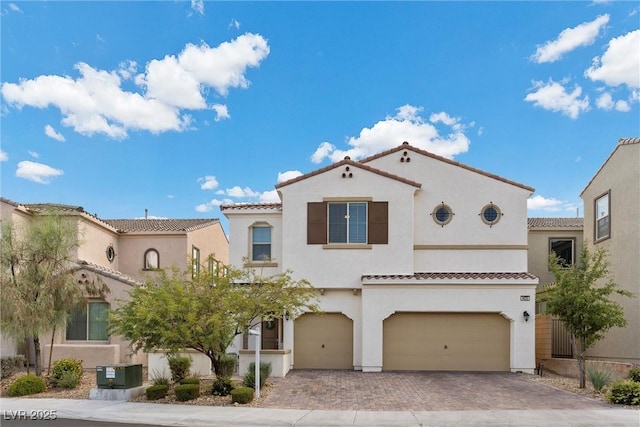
(316,223)
(378,223)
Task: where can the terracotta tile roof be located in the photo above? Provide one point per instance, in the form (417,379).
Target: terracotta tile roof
(407,146)
(453,276)
(138,225)
(37,207)
(108,272)
(246,206)
(348,162)
(555,222)
(10,202)
(621,143)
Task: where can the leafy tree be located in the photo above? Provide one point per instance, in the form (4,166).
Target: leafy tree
(175,310)
(581,299)
(39,289)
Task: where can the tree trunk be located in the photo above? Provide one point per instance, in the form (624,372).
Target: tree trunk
(580,351)
(36,346)
(53,335)
(26,355)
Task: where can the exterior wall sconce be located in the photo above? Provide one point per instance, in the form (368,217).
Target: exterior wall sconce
(286,315)
(526,316)
(321,291)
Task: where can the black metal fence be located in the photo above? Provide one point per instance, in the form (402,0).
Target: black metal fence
(561,340)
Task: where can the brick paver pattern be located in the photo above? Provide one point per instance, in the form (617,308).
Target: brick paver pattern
(418,391)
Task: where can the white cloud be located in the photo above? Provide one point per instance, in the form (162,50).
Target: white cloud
(569,39)
(209,182)
(208,207)
(221,112)
(37,172)
(620,64)
(234,24)
(33,154)
(198,6)
(95,102)
(51,133)
(554,97)
(3,156)
(407,125)
(542,203)
(14,8)
(269,197)
(238,192)
(286,176)
(605,101)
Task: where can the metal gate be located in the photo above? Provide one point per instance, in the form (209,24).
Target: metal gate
(561,340)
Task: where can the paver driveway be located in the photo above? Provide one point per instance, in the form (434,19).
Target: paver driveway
(418,391)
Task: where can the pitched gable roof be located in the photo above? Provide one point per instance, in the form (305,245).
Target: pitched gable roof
(348,162)
(406,146)
(142,225)
(621,143)
(555,222)
(248,206)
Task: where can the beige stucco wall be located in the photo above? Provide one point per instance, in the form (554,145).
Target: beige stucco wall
(94,238)
(210,240)
(538,256)
(621,176)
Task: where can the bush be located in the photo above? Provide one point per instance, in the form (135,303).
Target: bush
(221,387)
(10,364)
(157,391)
(242,395)
(634,374)
(227,366)
(179,366)
(625,392)
(159,379)
(190,380)
(27,384)
(249,378)
(67,368)
(186,392)
(599,377)
(68,379)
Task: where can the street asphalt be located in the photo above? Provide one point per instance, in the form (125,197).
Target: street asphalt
(194,416)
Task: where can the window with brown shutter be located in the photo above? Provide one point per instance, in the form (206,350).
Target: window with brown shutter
(377,223)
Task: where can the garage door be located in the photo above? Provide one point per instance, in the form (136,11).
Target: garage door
(323,341)
(446,342)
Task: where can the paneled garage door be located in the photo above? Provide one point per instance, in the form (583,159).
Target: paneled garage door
(446,342)
(323,341)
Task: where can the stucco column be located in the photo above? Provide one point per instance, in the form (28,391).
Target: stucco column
(372,329)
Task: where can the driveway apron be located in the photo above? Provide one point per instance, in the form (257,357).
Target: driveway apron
(418,391)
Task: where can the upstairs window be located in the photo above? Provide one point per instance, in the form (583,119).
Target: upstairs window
(490,214)
(602,221)
(261,243)
(90,324)
(151,259)
(195,259)
(564,249)
(349,222)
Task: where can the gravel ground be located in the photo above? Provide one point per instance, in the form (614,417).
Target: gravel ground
(206,399)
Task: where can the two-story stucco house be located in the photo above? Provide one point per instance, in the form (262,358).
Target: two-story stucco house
(119,253)
(420,264)
(612,220)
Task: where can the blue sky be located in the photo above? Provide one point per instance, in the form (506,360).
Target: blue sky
(177,107)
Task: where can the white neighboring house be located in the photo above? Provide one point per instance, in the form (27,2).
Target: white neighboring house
(420,264)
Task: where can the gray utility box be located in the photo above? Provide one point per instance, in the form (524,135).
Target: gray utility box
(119,375)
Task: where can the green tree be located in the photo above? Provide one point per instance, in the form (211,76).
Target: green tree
(39,289)
(580,298)
(175,310)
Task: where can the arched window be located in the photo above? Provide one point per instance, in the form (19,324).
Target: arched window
(151,259)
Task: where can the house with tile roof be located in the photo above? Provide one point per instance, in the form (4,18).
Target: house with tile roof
(120,253)
(420,264)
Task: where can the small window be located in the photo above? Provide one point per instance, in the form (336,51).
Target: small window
(261,243)
(151,259)
(214,267)
(491,214)
(347,222)
(442,214)
(90,324)
(564,249)
(111,253)
(603,223)
(195,259)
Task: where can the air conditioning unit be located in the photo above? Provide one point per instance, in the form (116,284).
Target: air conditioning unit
(119,375)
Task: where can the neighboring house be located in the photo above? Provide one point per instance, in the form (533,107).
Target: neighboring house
(121,253)
(612,221)
(420,264)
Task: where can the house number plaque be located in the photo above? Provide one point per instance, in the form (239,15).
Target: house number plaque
(525,297)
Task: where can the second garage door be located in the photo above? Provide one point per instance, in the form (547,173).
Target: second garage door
(446,342)
(323,341)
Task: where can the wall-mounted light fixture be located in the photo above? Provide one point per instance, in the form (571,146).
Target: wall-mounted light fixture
(526,316)
(286,315)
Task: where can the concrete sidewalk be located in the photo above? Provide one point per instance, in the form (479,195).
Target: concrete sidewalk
(194,416)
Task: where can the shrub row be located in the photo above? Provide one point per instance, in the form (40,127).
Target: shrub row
(27,384)
(626,392)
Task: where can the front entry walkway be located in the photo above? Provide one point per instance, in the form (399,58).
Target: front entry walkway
(418,391)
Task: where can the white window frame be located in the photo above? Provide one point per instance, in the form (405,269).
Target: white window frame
(602,216)
(253,243)
(573,249)
(348,206)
